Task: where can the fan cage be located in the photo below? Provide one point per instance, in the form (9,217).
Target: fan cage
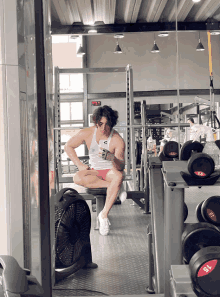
(72,232)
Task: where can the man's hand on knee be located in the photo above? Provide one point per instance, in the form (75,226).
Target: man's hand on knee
(83,167)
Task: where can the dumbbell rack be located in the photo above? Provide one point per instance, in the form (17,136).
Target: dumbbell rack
(167,189)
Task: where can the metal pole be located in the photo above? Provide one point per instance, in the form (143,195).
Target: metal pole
(134,126)
(128,138)
(150,288)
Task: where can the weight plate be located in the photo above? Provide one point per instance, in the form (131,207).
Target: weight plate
(136,151)
(139,152)
(205,271)
(189,147)
(201,165)
(185,211)
(210,210)
(198,212)
(171,149)
(162,157)
(197,236)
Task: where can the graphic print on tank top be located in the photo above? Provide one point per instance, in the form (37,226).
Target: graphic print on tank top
(95,161)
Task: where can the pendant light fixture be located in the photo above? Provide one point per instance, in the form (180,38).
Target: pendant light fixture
(155,48)
(118,48)
(80,51)
(200,46)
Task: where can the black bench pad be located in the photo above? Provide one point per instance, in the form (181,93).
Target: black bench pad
(98,191)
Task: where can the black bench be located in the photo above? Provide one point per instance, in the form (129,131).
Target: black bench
(100,196)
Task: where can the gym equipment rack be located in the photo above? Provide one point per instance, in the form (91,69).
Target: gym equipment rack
(167,188)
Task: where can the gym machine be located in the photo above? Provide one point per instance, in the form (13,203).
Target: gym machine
(17,282)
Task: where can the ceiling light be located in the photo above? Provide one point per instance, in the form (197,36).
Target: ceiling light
(74,37)
(80,51)
(215,32)
(92,31)
(155,48)
(119,35)
(200,46)
(163,34)
(118,49)
(196,1)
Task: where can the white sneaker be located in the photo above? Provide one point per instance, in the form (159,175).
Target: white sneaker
(122,194)
(104,228)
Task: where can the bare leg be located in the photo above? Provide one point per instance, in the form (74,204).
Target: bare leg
(115,179)
(89,179)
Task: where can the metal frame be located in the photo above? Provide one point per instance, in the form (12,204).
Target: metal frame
(137,27)
(44,195)
(173,215)
(157,220)
(130,112)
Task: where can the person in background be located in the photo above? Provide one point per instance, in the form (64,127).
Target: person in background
(107,163)
(170,135)
(193,129)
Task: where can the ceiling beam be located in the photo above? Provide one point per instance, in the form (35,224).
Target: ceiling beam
(185,7)
(207,9)
(75,11)
(63,11)
(131,11)
(110,6)
(85,11)
(135,28)
(155,11)
(99,10)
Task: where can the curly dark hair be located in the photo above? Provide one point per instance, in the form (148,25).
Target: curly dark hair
(107,112)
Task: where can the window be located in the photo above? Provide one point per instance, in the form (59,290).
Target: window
(71,111)
(71,83)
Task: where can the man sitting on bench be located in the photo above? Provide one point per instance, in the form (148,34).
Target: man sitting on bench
(106,153)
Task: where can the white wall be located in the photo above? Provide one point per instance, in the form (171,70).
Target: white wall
(64,55)
(11,69)
(153,71)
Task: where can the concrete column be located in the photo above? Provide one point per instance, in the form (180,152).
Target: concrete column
(11,88)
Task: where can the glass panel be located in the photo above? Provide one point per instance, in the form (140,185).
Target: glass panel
(76,82)
(65,111)
(77,111)
(64,83)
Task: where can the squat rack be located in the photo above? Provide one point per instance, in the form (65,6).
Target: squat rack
(68,97)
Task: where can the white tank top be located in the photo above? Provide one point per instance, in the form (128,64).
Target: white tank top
(97,162)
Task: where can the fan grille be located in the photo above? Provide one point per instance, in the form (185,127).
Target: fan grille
(72,229)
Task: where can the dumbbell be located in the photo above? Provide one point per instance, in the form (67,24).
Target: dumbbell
(170,151)
(200,165)
(201,250)
(209,211)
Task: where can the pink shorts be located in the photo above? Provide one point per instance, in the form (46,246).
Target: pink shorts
(102,172)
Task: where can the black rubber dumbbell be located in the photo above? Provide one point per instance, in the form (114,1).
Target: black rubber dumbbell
(200,165)
(209,210)
(201,250)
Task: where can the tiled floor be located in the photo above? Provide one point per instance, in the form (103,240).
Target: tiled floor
(122,255)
